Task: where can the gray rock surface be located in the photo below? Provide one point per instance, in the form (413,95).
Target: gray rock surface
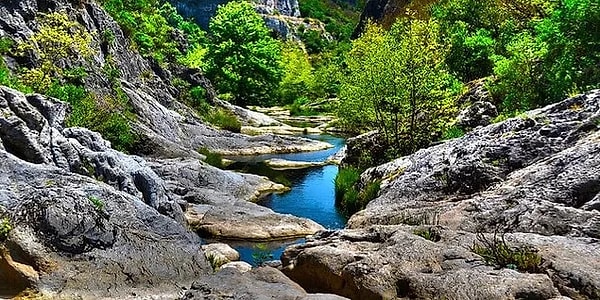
(479,113)
(366,150)
(259,284)
(391,262)
(535,176)
(84,238)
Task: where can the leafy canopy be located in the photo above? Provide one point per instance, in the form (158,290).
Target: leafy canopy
(397,82)
(244,59)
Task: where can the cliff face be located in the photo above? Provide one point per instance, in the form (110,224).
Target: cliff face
(202,11)
(385,12)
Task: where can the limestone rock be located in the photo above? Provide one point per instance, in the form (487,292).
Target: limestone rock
(260,284)
(365,150)
(477,114)
(241,266)
(220,253)
(282,164)
(390,262)
(251,222)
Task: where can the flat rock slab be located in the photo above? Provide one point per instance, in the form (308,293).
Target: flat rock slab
(282,164)
(258,284)
(247,221)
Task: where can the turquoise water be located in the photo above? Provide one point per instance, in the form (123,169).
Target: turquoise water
(312,195)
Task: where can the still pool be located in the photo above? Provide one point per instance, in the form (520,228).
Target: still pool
(312,195)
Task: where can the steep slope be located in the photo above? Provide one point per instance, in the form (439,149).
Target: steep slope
(167,127)
(535,178)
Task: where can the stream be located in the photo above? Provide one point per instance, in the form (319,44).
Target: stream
(312,195)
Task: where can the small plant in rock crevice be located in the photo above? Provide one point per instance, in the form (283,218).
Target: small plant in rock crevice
(497,252)
(212,158)
(5,228)
(430,233)
(97,202)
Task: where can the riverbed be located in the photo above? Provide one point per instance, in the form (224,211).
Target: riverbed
(312,195)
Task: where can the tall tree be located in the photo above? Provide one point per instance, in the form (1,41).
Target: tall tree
(397,82)
(244,59)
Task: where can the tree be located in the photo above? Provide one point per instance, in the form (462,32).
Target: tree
(244,59)
(397,82)
(297,80)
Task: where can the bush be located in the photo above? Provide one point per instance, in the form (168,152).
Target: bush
(453,132)
(224,119)
(212,158)
(5,228)
(348,196)
(244,59)
(429,233)
(498,253)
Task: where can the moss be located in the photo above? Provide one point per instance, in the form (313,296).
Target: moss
(212,158)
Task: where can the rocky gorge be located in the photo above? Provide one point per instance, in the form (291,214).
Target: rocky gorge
(81,220)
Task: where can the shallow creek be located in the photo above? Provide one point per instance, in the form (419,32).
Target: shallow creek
(312,195)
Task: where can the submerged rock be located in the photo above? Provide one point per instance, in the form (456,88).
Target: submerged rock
(282,164)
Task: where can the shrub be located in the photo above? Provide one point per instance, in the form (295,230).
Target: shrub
(5,228)
(224,119)
(212,158)
(6,45)
(348,196)
(453,132)
(429,233)
(498,253)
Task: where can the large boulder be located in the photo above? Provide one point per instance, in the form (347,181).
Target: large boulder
(392,262)
(535,177)
(258,284)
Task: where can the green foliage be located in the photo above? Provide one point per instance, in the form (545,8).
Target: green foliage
(339,19)
(299,108)
(97,202)
(244,59)
(348,196)
(5,228)
(261,254)
(417,219)
(519,75)
(152,26)
(452,132)
(498,253)
(108,116)
(429,233)
(58,38)
(397,83)
(6,45)
(345,181)
(297,77)
(212,158)
(223,119)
